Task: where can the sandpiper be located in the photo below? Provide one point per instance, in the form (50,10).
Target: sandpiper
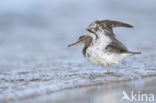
(101,46)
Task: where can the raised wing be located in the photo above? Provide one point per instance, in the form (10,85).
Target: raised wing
(106,26)
(109,24)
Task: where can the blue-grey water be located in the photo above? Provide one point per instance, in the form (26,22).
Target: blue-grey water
(37,66)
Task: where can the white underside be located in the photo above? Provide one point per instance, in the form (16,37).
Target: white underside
(98,54)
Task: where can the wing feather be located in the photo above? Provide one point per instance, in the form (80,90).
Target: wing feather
(116,46)
(109,24)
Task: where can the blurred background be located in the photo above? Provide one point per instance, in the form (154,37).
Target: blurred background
(35,61)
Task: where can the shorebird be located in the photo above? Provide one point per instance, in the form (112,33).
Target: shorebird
(100,45)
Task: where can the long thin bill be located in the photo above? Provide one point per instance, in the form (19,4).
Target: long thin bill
(74,44)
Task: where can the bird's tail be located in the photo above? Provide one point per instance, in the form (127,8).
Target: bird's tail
(133,53)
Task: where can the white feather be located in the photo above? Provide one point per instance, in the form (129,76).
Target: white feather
(99,55)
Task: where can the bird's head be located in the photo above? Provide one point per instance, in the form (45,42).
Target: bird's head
(83,40)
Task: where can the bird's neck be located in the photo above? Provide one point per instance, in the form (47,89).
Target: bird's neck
(84,50)
(86,45)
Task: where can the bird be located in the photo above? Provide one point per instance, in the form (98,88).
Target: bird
(101,46)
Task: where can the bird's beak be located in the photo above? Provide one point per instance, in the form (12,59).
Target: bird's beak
(74,44)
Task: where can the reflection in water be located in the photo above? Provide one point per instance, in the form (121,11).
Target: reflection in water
(108,93)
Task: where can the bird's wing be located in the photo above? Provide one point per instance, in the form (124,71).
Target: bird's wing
(116,46)
(109,24)
(106,26)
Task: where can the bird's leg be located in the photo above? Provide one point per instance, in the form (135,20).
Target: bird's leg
(108,70)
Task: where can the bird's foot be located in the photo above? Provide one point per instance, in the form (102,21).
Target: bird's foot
(108,71)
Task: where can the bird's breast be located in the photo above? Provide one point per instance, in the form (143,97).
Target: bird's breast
(99,55)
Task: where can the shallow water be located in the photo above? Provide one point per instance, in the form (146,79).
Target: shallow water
(36,64)
(107,93)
